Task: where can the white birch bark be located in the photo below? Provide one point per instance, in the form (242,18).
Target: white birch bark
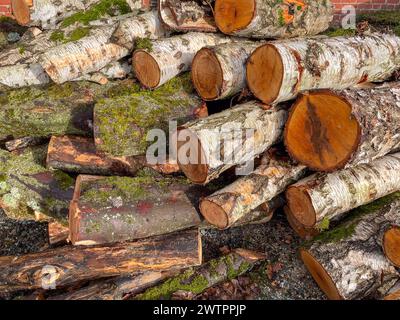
(22,75)
(334,194)
(147,25)
(175,55)
(334,63)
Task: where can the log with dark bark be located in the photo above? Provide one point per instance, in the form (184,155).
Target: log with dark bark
(219,72)
(279,71)
(122,122)
(67,266)
(273,19)
(195,281)
(115,209)
(321,198)
(391,245)
(348,262)
(22,237)
(167,58)
(234,202)
(339,129)
(249,128)
(187,15)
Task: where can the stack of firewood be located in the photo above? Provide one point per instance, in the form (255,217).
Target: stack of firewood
(110,224)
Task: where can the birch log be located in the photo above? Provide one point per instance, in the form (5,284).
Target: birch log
(348,262)
(279,71)
(394,293)
(22,75)
(273,19)
(210,146)
(186,16)
(340,129)
(195,281)
(220,72)
(301,230)
(391,245)
(167,58)
(116,209)
(22,143)
(320,198)
(67,266)
(128,30)
(232,203)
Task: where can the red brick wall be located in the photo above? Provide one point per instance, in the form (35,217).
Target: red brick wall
(5,7)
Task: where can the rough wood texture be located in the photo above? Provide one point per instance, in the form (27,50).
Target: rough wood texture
(131,29)
(273,19)
(343,128)
(116,209)
(394,293)
(391,245)
(186,15)
(249,128)
(227,206)
(278,71)
(167,58)
(74,265)
(219,72)
(348,262)
(78,154)
(28,190)
(22,75)
(302,231)
(320,198)
(195,281)
(122,122)
(25,142)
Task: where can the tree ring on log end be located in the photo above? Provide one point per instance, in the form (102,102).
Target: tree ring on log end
(146,69)
(234,15)
(265,71)
(301,207)
(320,275)
(301,230)
(21,12)
(214,214)
(391,245)
(321,131)
(207,74)
(196,169)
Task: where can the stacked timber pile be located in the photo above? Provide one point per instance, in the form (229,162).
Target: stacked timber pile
(86,212)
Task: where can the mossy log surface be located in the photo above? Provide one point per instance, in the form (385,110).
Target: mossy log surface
(122,122)
(115,209)
(28,189)
(210,274)
(348,262)
(73,265)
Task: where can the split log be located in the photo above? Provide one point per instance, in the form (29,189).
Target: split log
(167,58)
(226,139)
(227,206)
(131,29)
(122,123)
(340,129)
(391,245)
(280,70)
(28,190)
(273,19)
(25,142)
(116,288)
(116,209)
(22,237)
(320,198)
(348,262)
(67,266)
(195,281)
(186,15)
(220,72)
(78,154)
(301,230)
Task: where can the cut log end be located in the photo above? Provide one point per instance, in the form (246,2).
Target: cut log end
(265,72)
(214,214)
(234,15)
(196,168)
(321,132)
(320,275)
(391,245)
(207,74)
(21,11)
(300,206)
(146,69)
(302,231)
